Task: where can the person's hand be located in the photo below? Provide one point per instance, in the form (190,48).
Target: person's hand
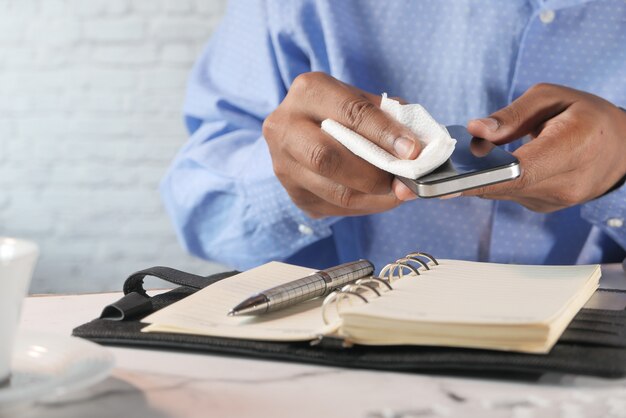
(323,177)
(577,151)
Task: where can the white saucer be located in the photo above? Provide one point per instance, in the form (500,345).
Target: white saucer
(45,366)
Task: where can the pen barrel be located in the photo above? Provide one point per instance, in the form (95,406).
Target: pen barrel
(295,292)
(338,276)
(317,284)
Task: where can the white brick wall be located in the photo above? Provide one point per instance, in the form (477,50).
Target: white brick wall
(90,99)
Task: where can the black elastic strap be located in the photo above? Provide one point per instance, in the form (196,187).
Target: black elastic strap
(129,306)
(134,283)
(136,301)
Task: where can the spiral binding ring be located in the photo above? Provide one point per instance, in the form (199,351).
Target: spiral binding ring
(386,276)
(416,259)
(389,271)
(354,287)
(421,254)
(376,280)
(411,261)
(338,296)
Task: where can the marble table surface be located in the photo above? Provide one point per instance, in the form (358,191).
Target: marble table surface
(161,384)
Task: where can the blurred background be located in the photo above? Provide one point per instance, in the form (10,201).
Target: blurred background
(90,117)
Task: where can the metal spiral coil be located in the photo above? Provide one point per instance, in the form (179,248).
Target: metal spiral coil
(411,263)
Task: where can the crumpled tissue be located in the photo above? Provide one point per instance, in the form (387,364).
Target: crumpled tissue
(437,144)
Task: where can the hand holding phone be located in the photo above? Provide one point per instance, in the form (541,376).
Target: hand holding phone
(474,163)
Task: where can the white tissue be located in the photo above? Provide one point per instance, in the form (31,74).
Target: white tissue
(437,144)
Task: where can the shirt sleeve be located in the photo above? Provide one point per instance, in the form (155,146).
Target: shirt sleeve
(608,213)
(220,191)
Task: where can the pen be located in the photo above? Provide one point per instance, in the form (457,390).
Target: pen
(316,284)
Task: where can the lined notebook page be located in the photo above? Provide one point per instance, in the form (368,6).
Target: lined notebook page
(205,312)
(471,292)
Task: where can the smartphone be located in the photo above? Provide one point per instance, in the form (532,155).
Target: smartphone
(475,162)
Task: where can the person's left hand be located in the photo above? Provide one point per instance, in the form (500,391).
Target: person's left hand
(577,151)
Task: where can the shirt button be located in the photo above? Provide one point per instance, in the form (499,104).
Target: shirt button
(615,222)
(547,16)
(305,229)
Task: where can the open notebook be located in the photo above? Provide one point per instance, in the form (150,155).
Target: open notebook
(456,303)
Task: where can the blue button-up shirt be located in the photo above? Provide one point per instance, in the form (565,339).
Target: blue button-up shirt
(461,59)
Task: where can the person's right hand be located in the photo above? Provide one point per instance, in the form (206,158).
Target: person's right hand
(322,177)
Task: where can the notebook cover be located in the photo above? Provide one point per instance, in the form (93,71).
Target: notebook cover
(593,344)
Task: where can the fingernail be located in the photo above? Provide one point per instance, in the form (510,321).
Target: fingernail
(490,123)
(450,196)
(404,147)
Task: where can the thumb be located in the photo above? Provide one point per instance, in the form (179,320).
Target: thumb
(524,115)
(362,114)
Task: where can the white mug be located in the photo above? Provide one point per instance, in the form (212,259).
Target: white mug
(17,261)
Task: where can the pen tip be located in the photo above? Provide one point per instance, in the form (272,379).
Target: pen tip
(231,313)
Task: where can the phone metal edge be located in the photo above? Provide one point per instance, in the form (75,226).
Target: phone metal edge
(463,183)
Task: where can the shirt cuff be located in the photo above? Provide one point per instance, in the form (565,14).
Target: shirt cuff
(608,212)
(278,217)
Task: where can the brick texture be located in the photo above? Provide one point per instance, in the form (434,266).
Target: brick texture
(90,99)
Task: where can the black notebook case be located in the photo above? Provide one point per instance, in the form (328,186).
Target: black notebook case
(593,344)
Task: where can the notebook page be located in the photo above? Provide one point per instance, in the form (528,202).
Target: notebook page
(471,292)
(205,312)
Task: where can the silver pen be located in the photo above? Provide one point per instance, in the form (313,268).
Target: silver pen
(316,284)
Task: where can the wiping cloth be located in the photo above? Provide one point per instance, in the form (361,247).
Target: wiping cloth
(437,144)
